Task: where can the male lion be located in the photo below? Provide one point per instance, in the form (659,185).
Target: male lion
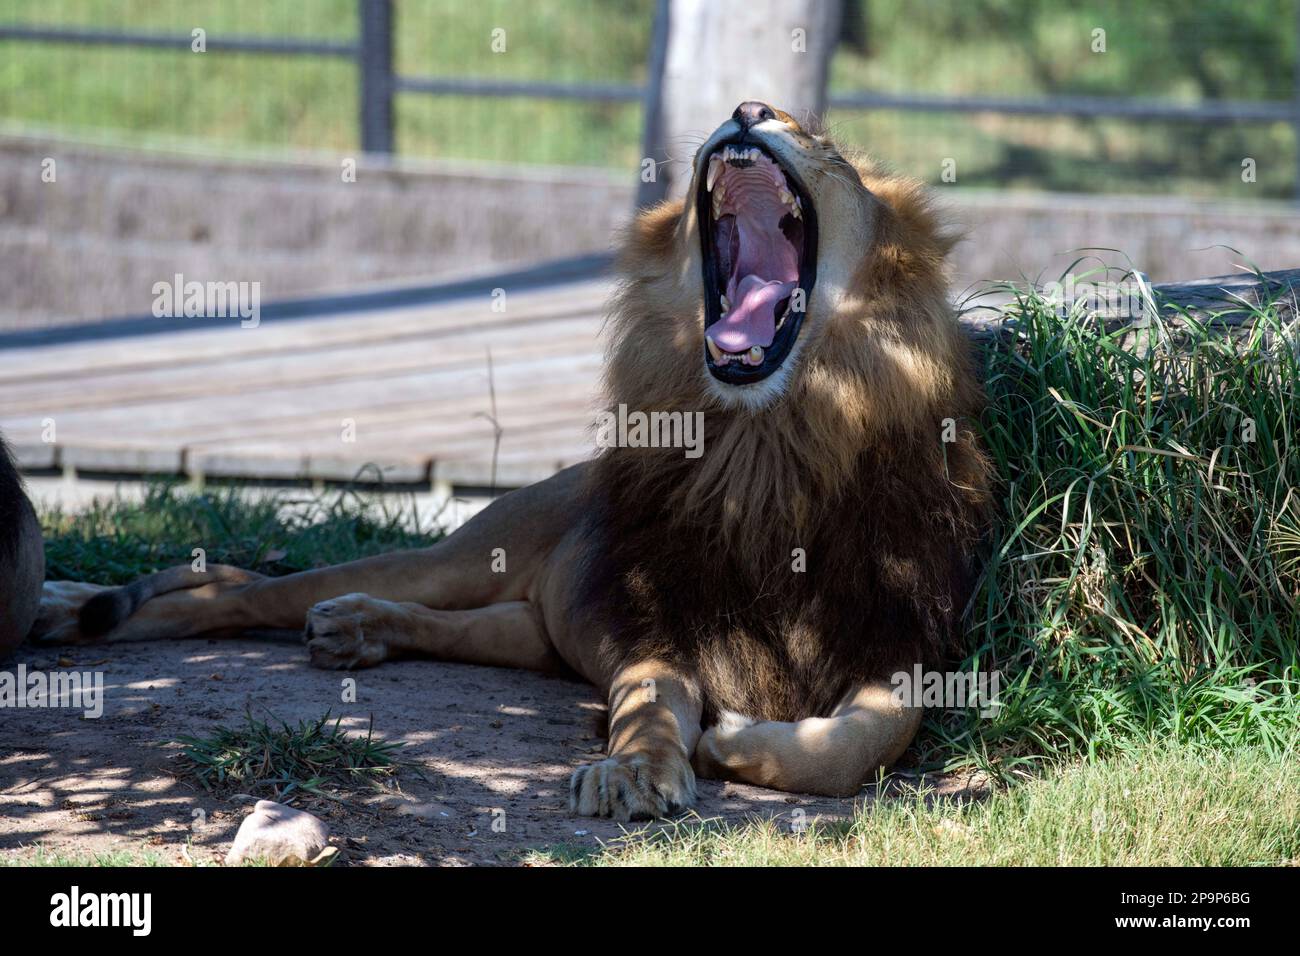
(743,610)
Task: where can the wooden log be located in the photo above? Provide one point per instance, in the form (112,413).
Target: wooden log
(1223,302)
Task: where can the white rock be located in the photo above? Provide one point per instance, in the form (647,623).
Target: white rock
(282,836)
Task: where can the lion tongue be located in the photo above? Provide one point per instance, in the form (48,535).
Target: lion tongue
(752,319)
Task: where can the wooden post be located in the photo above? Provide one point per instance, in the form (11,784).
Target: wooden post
(723,52)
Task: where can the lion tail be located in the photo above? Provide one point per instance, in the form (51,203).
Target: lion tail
(108,609)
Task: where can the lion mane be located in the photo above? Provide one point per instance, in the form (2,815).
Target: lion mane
(823,540)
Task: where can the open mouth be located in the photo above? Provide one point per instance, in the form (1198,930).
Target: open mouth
(759,237)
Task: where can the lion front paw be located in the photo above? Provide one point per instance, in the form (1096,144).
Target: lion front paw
(343,633)
(633,787)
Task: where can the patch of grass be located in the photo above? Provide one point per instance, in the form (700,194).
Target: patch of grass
(1162,806)
(1144,578)
(261,758)
(43,856)
(117,541)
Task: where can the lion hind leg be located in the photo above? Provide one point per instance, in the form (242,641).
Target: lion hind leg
(832,755)
(107,609)
(494,558)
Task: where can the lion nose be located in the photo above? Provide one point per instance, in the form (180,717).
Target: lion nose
(751,113)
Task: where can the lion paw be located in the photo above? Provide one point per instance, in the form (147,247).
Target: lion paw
(341,633)
(58,620)
(635,787)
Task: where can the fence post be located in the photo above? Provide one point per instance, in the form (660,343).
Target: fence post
(375,63)
(652,136)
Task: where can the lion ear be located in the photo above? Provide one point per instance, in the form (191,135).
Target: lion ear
(650,236)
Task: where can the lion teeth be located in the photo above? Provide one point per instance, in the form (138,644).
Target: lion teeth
(713,349)
(756,355)
(715,170)
(731,155)
(726,306)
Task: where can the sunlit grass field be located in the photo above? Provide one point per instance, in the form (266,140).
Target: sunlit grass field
(1157,806)
(990,47)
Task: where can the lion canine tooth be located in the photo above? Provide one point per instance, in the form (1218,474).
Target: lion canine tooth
(756,355)
(726,306)
(715,170)
(713,349)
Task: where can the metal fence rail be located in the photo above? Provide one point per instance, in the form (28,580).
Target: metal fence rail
(379,83)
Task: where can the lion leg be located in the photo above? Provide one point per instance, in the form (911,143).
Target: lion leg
(357,630)
(654,723)
(832,755)
(494,557)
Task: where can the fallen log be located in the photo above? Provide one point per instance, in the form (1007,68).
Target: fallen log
(1225,302)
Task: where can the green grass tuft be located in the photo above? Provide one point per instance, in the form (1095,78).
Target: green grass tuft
(46,856)
(279,761)
(117,541)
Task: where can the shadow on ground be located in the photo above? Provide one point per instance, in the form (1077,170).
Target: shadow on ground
(483,741)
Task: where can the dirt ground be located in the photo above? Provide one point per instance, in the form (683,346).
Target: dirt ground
(482,741)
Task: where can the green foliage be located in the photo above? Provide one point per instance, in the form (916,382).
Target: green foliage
(118,540)
(278,761)
(1154,50)
(1144,578)
(1160,806)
